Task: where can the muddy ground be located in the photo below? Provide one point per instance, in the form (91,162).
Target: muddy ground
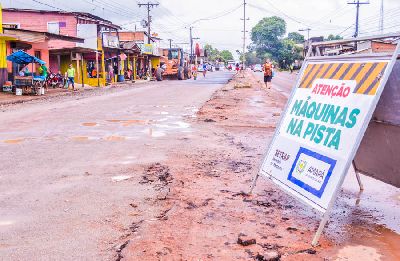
(158,172)
(203,212)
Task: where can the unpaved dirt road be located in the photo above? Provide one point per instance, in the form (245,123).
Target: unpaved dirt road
(157,173)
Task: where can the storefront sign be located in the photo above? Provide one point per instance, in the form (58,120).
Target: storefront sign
(147,49)
(110,41)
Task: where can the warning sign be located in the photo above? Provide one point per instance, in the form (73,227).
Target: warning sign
(321,126)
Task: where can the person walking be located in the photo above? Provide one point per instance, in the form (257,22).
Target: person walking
(71,76)
(44,72)
(267,68)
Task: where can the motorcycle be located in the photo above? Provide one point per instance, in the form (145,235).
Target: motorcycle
(55,80)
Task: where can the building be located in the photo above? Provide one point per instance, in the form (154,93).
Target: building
(96,58)
(149,56)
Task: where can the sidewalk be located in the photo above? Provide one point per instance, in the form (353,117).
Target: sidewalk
(7,98)
(10,98)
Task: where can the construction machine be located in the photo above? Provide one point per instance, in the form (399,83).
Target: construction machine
(174,64)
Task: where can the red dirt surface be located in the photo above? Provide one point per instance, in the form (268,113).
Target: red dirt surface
(206,209)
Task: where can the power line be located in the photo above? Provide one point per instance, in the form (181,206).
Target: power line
(218,16)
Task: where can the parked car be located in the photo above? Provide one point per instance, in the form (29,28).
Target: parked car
(257,68)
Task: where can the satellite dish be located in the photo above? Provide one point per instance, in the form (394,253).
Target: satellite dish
(144,23)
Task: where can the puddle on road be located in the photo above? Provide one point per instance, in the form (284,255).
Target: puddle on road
(80,138)
(358,253)
(372,243)
(14,141)
(6,223)
(120,178)
(89,124)
(155,134)
(127,123)
(115,138)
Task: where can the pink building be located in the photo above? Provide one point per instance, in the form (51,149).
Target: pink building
(58,53)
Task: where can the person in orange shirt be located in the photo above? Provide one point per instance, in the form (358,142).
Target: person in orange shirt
(268,68)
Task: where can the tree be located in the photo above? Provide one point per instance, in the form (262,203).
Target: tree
(268,41)
(332,37)
(288,53)
(252,57)
(225,55)
(296,37)
(212,53)
(267,35)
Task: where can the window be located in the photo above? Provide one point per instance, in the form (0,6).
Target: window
(53,27)
(38,54)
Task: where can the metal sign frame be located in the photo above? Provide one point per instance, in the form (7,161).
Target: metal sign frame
(393,58)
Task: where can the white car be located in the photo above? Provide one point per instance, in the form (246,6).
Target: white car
(257,68)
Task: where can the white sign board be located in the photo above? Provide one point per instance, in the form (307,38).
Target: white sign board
(89,33)
(110,41)
(322,126)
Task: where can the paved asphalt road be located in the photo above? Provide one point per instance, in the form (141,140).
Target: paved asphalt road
(283,82)
(61,161)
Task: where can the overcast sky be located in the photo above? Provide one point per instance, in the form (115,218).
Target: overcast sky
(172,18)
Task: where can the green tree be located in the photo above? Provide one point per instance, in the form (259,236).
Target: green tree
(225,55)
(252,57)
(332,37)
(267,35)
(296,37)
(288,53)
(212,53)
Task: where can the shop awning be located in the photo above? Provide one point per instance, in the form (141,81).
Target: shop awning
(21,57)
(131,47)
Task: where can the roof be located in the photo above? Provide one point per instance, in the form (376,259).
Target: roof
(20,33)
(71,50)
(76,14)
(21,57)
(359,39)
(131,45)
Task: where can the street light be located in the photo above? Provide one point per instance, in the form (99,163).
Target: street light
(308,38)
(308,34)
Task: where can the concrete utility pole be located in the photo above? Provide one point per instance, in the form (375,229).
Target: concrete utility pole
(308,39)
(357,3)
(381,18)
(244,33)
(149,5)
(191,43)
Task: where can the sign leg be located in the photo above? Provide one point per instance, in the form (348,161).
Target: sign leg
(320,228)
(358,177)
(359,181)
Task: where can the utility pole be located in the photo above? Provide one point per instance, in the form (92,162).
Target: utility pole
(149,5)
(308,33)
(308,39)
(357,3)
(381,18)
(170,43)
(191,43)
(244,33)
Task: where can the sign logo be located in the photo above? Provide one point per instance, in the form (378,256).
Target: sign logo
(311,171)
(301,166)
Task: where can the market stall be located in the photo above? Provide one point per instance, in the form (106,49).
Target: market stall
(27,82)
